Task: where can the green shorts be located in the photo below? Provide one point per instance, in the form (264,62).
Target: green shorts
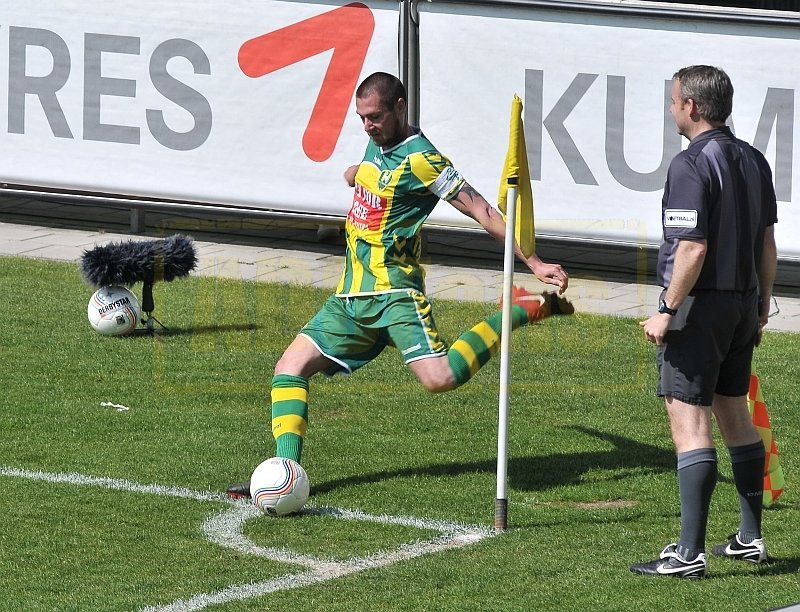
(352,331)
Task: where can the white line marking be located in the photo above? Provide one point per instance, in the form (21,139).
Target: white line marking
(226,529)
(115,484)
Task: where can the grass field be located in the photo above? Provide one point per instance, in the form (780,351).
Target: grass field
(115,451)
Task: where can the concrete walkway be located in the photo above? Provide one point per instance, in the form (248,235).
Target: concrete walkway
(281,256)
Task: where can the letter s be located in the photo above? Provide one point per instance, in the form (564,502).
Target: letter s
(181,94)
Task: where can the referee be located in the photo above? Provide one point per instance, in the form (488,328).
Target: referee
(717,265)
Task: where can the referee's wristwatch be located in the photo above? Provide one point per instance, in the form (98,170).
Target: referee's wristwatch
(664,309)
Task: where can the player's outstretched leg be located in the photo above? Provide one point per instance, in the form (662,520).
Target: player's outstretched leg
(476,347)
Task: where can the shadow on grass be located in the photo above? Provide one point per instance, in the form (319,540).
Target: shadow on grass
(539,473)
(778,566)
(163,332)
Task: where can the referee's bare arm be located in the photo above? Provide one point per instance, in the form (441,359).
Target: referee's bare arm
(766,273)
(689,258)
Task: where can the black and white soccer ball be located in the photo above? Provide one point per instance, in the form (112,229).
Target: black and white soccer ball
(113,311)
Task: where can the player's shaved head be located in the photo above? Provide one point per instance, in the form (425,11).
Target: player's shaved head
(389,88)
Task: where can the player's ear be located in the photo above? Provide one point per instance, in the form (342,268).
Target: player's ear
(401,106)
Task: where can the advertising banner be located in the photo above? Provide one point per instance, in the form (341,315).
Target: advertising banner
(595,89)
(244,103)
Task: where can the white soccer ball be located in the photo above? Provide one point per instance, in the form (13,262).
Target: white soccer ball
(113,311)
(279,486)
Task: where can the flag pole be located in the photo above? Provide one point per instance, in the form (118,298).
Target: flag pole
(501,499)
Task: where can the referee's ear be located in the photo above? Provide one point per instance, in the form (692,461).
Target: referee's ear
(694,109)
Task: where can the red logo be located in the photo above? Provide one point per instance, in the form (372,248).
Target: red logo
(367,210)
(348,31)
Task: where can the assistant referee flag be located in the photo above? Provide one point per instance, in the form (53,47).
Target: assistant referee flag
(774,481)
(516,166)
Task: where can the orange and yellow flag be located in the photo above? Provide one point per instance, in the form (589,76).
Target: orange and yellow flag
(773,473)
(516,166)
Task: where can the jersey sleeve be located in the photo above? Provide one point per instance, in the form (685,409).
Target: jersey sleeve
(437,174)
(685,203)
(769,201)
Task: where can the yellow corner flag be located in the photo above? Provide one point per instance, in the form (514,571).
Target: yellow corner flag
(773,473)
(516,166)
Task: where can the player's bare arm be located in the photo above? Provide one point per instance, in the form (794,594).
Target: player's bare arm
(350,175)
(472,204)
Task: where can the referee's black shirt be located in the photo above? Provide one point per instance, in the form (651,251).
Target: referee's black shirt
(719,190)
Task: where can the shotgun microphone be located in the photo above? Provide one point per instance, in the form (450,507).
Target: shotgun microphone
(145,261)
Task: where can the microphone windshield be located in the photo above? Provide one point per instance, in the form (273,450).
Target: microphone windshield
(128,262)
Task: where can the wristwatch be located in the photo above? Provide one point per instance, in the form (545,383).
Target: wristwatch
(664,309)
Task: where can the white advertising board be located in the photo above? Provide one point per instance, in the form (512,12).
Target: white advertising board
(247,103)
(598,132)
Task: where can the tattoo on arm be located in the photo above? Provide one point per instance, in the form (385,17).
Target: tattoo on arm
(471,203)
(469,190)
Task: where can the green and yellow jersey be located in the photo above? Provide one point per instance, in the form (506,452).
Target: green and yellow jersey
(395,192)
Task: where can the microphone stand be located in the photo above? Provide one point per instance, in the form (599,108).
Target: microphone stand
(148,305)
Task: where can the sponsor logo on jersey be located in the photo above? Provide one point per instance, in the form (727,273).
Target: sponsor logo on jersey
(680,218)
(367,210)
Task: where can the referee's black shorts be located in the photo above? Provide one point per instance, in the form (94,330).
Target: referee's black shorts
(709,347)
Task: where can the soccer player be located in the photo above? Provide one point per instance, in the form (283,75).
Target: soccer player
(717,265)
(380,300)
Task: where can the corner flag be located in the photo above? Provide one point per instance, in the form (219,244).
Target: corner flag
(515,186)
(517,166)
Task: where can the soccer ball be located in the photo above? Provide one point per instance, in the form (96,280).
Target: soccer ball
(113,311)
(279,486)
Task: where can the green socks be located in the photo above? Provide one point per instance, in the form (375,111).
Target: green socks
(289,414)
(478,345)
